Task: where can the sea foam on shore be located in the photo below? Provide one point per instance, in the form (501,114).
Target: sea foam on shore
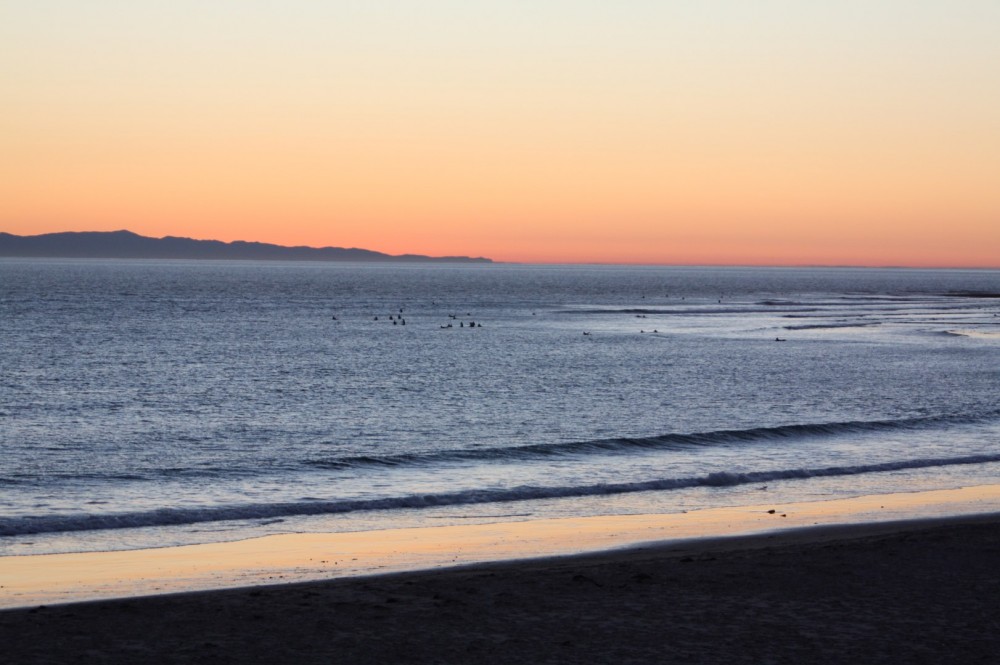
(879,593)
(294,557)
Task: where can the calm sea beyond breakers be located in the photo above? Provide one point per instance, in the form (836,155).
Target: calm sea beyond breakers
(156,403)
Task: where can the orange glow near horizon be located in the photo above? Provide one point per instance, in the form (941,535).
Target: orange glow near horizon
(776,136)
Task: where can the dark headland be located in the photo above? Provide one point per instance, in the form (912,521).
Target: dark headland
(129,245)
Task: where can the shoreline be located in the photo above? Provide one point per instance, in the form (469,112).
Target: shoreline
(912,591)
(305,557)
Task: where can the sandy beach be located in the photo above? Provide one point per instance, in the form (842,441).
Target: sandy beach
(30,580)
(898,591)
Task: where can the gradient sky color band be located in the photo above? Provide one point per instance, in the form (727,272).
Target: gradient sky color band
(862,133)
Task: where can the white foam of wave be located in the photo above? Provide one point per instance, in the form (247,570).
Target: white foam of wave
(979,334)
(179,516)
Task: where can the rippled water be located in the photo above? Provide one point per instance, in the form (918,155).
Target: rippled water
(157,402)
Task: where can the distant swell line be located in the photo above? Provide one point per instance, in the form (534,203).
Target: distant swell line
(184,516)
(625,444)
(691,310)
(821,326)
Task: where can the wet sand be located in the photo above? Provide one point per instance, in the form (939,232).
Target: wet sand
(299,557)
(915,592)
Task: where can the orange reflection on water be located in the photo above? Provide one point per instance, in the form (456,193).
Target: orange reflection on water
(57,578)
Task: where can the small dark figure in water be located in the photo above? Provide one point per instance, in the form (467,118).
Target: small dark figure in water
(403,321)
(393,323)
(461,325)
(376,318)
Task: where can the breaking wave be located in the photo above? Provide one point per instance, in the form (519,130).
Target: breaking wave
(183,516)
(675,441)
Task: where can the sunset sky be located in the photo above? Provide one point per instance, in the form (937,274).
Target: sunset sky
(645,131)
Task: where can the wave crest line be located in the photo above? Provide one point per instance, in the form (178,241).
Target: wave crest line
(183,516)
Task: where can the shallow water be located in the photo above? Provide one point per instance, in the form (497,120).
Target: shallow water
(155,403)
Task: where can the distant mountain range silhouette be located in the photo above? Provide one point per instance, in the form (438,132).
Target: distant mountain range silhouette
(128,245)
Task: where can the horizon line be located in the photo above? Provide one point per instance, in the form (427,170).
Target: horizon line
(494,261)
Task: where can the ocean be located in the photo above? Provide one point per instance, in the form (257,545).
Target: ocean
(157,403)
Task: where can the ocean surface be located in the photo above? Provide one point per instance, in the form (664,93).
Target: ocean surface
(153,403)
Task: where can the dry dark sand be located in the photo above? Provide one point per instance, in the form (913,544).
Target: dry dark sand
(926,592)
